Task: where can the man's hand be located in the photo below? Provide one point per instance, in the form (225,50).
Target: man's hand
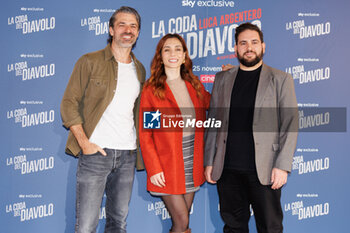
(91,148)
(158,179)
(226,67)
(278,178)
(207,173)
(86,146)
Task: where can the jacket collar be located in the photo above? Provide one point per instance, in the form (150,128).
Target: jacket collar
(264,80)
(108,52)
(109,56)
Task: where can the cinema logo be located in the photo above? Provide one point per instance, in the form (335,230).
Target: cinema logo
(95,25)
(299,27)
(27,26)
(27,72)
(208,3)
(159,209)
(26,119)
(310,166)
(25,213)
(309,76)
(20,162)
(207,78)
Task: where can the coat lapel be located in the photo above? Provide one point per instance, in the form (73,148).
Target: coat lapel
(193,94)
(264,81)
(169,95)
(139,72)
(230,77)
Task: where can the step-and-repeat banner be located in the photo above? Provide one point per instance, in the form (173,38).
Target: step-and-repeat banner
(42,40)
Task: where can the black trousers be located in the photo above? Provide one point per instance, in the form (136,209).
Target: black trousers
(237,190)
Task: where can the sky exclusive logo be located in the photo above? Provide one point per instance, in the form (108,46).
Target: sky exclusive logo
(303,30)
(305,166)
(24,162)
(305,75)
(208,3)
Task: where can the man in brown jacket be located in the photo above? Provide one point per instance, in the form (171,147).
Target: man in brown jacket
(100,108)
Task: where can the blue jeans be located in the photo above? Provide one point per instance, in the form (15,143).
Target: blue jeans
(96,174)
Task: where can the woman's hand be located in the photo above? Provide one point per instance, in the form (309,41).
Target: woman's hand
(226,67)
(158,179)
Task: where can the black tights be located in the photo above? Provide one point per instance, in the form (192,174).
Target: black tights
(179,207)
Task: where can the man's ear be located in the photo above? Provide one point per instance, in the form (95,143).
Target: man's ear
(111,31)
(263,47)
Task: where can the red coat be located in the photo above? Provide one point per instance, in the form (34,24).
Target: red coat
(162,148)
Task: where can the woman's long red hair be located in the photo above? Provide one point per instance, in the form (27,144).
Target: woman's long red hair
(158,76)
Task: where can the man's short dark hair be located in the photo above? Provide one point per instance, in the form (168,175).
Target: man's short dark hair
(123,9)
(248,26)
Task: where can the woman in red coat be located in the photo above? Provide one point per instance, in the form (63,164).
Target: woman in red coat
(173,101)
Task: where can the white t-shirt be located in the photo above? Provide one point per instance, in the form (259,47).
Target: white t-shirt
(116,129)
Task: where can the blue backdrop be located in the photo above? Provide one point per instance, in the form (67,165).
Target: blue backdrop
(42,40)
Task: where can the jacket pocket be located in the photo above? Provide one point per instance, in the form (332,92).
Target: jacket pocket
(97,87)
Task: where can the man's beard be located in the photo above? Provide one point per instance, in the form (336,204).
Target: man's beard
(127,45)
(251,63)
